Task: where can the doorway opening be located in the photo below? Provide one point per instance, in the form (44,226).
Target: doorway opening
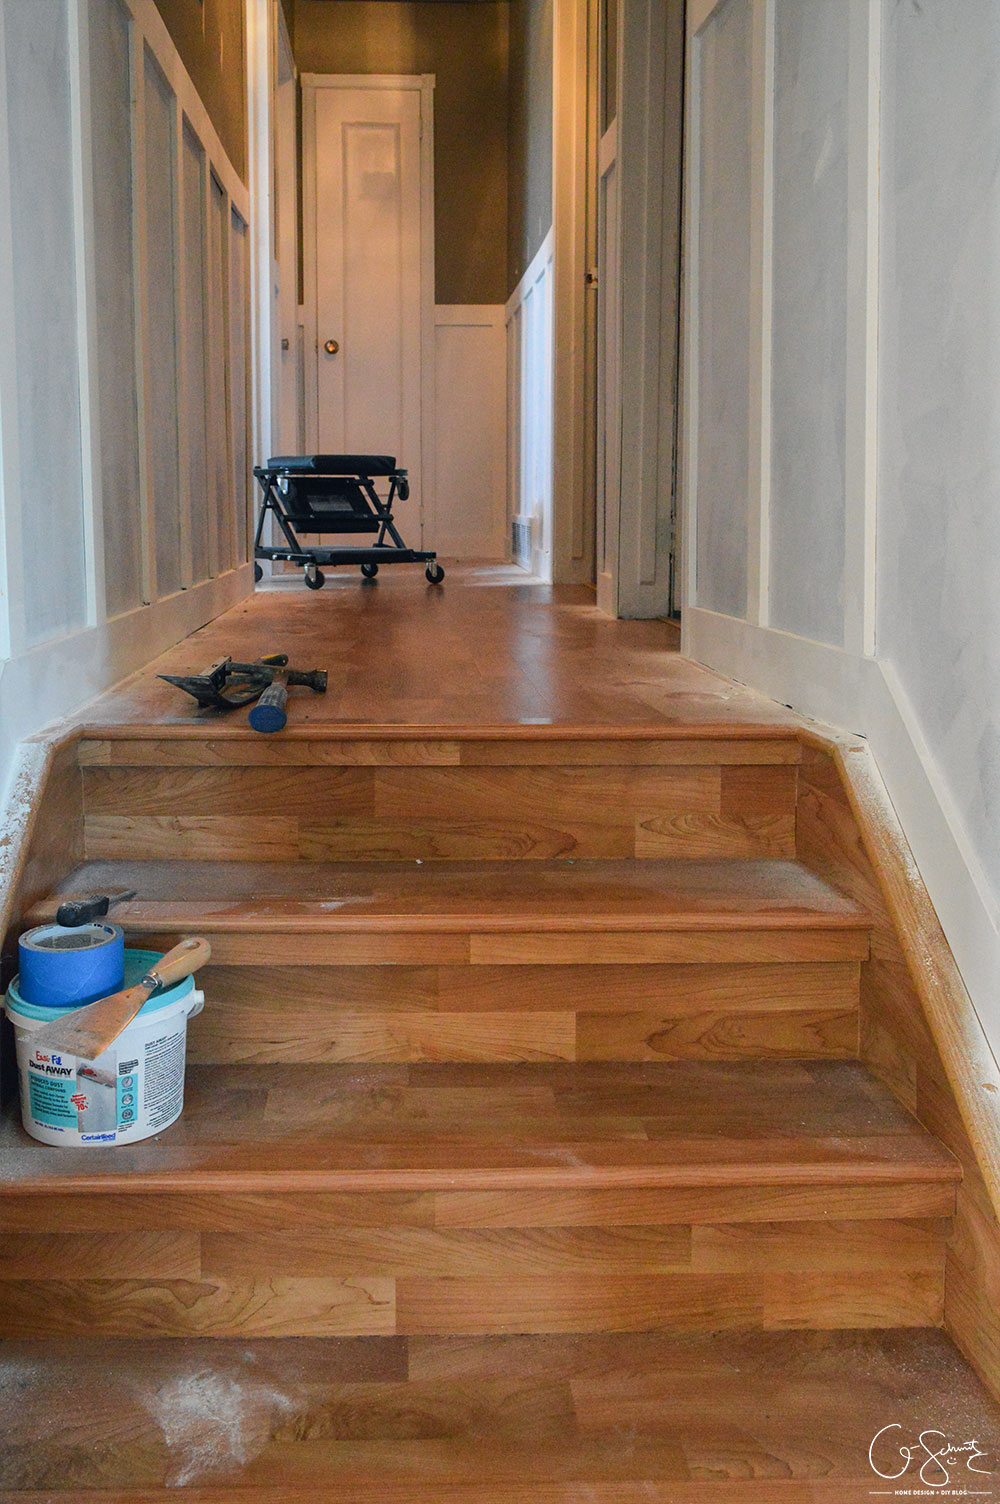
(482,273)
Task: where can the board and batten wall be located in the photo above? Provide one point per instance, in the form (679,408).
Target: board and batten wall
(842,431)
(124,356)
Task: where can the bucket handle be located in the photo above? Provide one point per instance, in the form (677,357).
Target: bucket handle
(197,1002)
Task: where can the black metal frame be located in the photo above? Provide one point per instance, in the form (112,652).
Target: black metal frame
(363,511)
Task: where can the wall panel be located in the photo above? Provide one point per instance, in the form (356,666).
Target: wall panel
(162,325)
(44,318)
(723,306)
(809,319)
(114,229)
(239,382)
(470,461)
(219,499)
(195,416)
(939,417)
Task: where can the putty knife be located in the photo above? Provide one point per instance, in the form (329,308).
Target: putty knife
(87,1032)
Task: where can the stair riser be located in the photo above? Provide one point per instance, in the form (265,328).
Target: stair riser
(492,813)
(509,1013)
(350,1281)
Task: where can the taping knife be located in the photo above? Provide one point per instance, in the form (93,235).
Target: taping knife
(87,1032)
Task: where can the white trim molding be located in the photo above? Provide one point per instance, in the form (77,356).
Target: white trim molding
(572,545)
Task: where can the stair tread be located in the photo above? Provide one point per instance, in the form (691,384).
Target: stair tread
(612,1418)
(667,894)
(487,1127)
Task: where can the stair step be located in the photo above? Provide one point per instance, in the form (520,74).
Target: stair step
(332,1200)
(511,961)
(219,797)
(721,1418)
(560,911)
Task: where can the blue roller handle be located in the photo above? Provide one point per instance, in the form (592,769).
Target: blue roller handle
(269,712)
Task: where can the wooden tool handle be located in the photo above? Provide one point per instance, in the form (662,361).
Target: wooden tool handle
(180,962)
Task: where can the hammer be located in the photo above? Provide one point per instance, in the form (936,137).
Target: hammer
(270,713)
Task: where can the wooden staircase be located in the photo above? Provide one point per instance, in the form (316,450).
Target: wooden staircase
(526,1037)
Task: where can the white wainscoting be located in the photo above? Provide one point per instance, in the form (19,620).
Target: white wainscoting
(469,493)
(529,316)
(802,431)
(125,502)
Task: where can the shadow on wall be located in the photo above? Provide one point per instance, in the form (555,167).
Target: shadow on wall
(466,47)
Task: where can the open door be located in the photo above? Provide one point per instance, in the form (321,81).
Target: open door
(638,267)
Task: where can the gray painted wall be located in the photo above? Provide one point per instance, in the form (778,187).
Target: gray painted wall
(529,149)
(808,350)
(724,311)
(939,381)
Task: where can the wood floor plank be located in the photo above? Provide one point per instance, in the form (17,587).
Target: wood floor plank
(65,1252)
(615,1418)
(454,1253)
(718,1035)
(278,1306)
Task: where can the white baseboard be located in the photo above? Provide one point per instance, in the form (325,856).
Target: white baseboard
(864,696)
(57,678)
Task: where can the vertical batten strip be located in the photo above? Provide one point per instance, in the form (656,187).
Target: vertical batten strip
(208,500)
(140,282)
(761,267)
(182,338)
(86,309)
(861,413)
(224,421)
(12,627)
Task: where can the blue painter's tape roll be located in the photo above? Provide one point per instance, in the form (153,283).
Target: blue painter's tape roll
(61,967)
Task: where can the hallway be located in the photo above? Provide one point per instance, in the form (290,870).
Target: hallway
(491,647)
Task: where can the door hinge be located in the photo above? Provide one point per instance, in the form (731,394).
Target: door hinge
(590,278)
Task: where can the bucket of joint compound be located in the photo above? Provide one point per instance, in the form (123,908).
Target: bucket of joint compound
(133,1090)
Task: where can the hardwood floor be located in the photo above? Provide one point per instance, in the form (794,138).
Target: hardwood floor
(724,1418)
(527,1153)
(483,650)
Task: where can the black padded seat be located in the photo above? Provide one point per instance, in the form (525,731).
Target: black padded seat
(334,464)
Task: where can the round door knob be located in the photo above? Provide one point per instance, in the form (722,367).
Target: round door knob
(331,347)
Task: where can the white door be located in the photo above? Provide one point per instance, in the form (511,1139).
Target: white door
(368,251)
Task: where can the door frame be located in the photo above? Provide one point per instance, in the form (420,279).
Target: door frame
(262,24)
(311,83)
(641,586)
